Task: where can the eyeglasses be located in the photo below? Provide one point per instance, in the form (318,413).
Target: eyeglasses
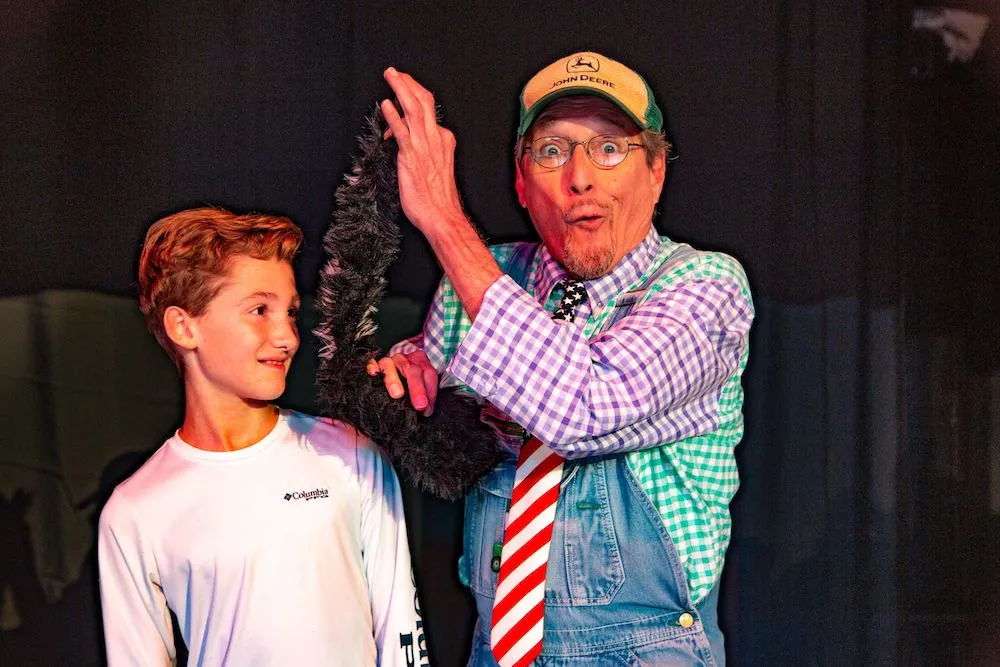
(604,150)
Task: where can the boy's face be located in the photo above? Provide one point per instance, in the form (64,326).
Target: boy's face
(246,338)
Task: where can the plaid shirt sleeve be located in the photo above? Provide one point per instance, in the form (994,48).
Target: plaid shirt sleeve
(446,323)
(654,377)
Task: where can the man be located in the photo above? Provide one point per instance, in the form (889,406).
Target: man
(621,414)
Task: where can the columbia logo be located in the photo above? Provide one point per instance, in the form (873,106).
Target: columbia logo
(307,495)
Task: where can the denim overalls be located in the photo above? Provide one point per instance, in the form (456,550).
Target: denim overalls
(615,589)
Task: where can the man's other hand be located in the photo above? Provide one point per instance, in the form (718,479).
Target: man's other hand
(421,378)
(426,160)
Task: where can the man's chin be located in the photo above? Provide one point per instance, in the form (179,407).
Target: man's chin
(589,265)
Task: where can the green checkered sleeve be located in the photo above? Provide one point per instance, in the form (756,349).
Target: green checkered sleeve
(691,482)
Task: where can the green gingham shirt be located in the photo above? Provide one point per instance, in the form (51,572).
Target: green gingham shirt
(661,383)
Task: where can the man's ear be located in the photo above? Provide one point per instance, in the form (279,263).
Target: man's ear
(181,327)
(519,185)
(658,172)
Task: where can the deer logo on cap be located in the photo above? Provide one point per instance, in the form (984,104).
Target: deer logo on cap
(583,64)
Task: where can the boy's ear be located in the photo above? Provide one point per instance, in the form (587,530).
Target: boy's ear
(180,327)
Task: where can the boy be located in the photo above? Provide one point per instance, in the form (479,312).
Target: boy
(276,538)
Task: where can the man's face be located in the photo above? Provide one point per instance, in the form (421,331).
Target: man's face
(588,217)
(246,338)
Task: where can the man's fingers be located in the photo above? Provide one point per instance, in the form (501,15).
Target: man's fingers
(421,378)
(397,126)
(403,87)
(415,382)
(430,381)
(420,373)
(392,382)
(417,103)
(412,365)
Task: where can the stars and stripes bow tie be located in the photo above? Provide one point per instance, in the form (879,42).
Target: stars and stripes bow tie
(575,294)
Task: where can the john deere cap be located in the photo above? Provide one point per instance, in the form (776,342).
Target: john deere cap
(588,73)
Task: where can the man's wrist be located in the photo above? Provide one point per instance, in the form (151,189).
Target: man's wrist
(445,226)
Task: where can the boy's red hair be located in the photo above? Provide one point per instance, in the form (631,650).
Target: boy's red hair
(185,259)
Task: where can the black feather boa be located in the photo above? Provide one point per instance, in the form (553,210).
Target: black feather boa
(443,454)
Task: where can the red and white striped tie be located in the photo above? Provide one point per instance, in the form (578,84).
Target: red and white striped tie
(519,606)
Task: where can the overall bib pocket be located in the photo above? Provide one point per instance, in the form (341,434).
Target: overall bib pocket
(585,563)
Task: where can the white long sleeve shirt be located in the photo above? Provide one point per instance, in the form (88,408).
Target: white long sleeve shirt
(290,551)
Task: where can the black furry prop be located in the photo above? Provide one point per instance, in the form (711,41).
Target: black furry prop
(443,454)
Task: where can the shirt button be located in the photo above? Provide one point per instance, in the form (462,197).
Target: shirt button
(686,620)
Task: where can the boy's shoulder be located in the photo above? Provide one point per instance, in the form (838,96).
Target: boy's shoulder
(321,432)
(332,436)
(340,445)
(143,488)
(146,475)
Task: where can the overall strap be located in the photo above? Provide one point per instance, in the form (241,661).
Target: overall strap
(519,263)
(624,303)
(676,258)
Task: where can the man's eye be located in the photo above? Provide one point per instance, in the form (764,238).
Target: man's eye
(549,150)
(259,310)
(293,313)
(609,148)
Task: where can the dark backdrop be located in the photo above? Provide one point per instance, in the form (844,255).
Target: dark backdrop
(836,153)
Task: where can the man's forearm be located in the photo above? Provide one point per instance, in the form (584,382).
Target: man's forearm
(466,261)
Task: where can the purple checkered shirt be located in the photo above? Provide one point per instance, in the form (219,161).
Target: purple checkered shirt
(668,372)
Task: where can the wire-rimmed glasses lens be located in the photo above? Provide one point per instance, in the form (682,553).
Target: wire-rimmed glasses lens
(604,150)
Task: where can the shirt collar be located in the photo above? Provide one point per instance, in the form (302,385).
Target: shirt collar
(601,290)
